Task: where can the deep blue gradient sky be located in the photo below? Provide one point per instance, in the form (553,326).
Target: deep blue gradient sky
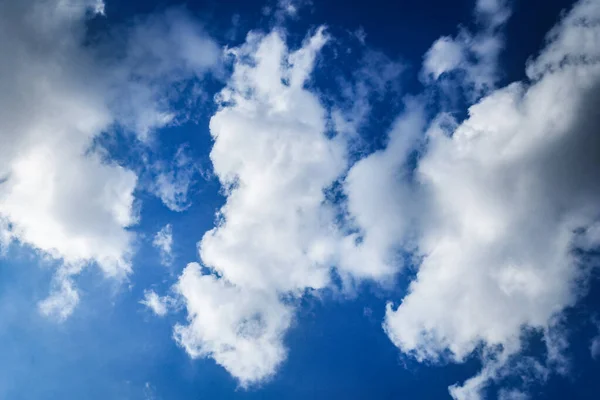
(113,347)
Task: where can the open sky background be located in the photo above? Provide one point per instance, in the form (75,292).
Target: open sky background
(299,200)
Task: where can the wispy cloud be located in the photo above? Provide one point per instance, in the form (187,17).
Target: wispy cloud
(174,180)
(163,241)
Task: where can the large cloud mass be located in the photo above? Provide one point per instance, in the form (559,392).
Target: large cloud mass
(510,193)
(497,209)
(275,236)
(57,194)
(494,208)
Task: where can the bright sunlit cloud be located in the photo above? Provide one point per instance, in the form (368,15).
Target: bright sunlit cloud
(303,164)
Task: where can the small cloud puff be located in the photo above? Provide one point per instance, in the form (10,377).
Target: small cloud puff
(163,241)
(159,305)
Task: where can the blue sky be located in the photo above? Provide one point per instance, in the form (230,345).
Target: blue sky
(295,199)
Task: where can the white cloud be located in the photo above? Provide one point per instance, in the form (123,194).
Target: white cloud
(164,54)
(500,366)
(505,194)
(62,300)
(163,241)
(490,212)
(58,199)
(159,305)
(272,154)
(446,54)
(285,9)
(474,55)
(374,187)
(57,194)
(275,235)
(494,208)
(241,329)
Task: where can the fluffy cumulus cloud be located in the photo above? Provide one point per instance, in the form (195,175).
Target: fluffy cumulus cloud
(275,235)
(491,210)
(509,193)
(240,328)
(272,154)
(57,194)
(496,211)
(53,195)
(374,186)
(445,55)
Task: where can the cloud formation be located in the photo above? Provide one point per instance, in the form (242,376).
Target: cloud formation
(509,193)
(59,194)
(240,328)
(474,56)
(491,212)
(275,236)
